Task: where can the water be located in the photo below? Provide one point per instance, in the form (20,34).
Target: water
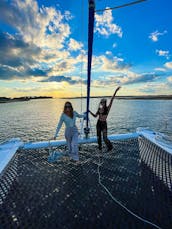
(36,120)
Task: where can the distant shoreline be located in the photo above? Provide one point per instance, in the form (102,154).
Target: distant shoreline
(148,97)
(22,99)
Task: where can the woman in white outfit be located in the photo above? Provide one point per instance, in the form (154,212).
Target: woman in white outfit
(71,133)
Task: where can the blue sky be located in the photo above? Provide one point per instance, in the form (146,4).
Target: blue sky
(43,48)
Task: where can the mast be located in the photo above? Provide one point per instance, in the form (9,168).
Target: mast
(90,46)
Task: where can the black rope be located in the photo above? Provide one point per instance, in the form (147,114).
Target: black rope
(121,6)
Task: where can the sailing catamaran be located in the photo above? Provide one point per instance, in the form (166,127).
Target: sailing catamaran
(129,187)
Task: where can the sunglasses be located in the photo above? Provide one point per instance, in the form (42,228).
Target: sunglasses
(68,106)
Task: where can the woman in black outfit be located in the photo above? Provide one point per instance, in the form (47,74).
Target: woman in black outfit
(101,126)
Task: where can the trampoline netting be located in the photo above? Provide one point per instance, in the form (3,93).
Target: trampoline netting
(37,194)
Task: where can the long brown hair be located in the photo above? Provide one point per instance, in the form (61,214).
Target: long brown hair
(104,101)
(71,109)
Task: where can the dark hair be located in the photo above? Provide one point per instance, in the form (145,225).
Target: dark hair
(105,112)
(71,110)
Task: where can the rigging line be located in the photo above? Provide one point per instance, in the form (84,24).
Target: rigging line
(118,202)
(121,6)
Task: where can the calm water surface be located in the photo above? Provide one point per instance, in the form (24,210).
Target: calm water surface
(36,120)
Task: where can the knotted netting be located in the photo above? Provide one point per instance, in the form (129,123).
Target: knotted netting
(37,194)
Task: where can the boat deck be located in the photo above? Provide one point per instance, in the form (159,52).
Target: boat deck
(37,194)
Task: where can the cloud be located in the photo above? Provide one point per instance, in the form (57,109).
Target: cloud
(169,79)
(104,24)
(40,44)
(140,78)
(35,89)
(160,69)
(7,40)
(11,73)
(113,64)
(154,88)
(74,45)
(35,47)
(36,72)
(58,79)
(63,66)
(163,53)
(168,65)
(15,52)
(7,73)
(114,45)
(42,26)
(130,78)
(148,89)
(108,53)
(154,36)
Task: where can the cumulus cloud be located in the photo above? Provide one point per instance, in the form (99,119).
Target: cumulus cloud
(43,26)
(63,66)
(74,45)
(113,64)
(58,79)
(104,24)
(7,73)
(148,89)
(168,65)
(114,45)
(36,46)
(154,88)
(154,36)
(163,53)
(169,79)
(37,89)
(140,78)
(160,69)
(10,73)
(15,52)
(108,53)
(129,78)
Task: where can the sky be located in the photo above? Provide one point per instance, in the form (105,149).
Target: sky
(43,48)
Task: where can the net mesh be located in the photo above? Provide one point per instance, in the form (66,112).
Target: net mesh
(65,194)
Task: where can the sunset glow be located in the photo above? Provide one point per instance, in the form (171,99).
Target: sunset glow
(43,48)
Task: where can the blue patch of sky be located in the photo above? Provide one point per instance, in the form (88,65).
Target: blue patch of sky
(137,22)
(4,27)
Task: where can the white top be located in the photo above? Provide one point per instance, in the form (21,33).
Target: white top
(69,122)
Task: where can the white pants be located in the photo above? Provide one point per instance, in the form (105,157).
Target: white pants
(71,135)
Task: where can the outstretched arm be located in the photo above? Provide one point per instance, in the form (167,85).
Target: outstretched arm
(80,115)
(111,101)
(94,115)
